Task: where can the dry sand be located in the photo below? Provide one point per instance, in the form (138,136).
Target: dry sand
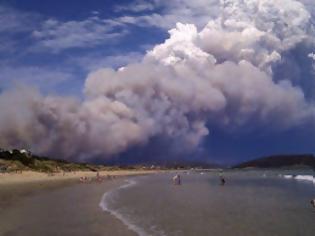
(32,176)
(37,204)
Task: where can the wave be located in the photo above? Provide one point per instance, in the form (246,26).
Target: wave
(288,176)
(309,178)
(104,205)
(305,178)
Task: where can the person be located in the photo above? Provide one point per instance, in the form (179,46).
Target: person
(222,179)
(84,179)
(313,202)
(177,180)
(174,179)
(98,177)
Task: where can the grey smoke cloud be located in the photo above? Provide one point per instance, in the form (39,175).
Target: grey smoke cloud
(221,74)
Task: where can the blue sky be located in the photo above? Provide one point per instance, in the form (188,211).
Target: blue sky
(59,43)
(57,46)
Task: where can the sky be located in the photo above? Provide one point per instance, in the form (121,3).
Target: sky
(148,81)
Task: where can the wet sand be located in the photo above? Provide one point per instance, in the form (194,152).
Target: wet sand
(14,186)
(63,207)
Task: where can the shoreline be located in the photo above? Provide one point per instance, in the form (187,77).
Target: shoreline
(33,192)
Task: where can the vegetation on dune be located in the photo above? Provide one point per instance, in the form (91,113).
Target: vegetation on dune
(17,160)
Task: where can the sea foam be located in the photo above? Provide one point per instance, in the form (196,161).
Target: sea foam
(288,176)
(105,207)
(305,178)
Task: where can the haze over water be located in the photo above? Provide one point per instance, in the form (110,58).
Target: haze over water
(251,203)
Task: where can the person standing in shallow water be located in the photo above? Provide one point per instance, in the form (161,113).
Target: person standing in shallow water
(222,179)
(177,180)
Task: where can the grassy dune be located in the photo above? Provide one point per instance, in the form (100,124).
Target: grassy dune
(16,161)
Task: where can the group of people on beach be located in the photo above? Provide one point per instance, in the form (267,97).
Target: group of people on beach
(98,178)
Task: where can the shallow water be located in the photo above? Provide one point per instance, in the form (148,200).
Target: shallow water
(251,203)
(62,211)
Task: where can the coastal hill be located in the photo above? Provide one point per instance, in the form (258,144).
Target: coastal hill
(279,161)
(18,160)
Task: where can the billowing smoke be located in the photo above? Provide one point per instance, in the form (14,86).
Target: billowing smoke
(221,75)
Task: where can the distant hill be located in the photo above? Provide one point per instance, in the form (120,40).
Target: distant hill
(168,163)
(279,161)
(17,160)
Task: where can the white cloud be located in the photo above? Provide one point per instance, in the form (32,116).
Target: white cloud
(167,13)
(136,6)
(13,21)
(94,62)
(47,79)
(199,12)
(312,56)
(93,31)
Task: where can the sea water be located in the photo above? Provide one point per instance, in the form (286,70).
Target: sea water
(250,203)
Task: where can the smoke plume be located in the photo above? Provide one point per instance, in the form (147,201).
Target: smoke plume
(220,75)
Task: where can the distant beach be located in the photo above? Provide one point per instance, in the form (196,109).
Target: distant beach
(34,203)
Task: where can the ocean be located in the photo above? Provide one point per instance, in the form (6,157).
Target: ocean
(264,202)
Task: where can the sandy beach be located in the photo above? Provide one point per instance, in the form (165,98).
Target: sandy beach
(34,203)
(32,176)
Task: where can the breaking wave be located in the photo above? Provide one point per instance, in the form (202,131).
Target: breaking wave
(309,178)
